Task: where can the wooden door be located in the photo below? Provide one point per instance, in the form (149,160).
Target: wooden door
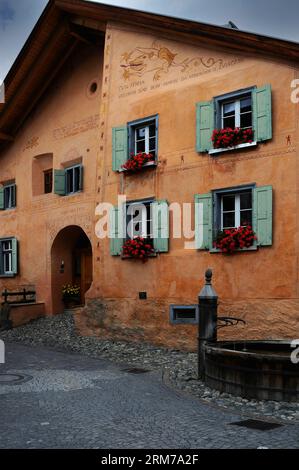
(83,270)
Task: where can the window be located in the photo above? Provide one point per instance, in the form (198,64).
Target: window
(236,210)
(9,196)
(139,220)
(231,208)
(132,138)
(249,108)
(180,314)
(237,113)
(8,257)
(143,137)
(48,181)
(73,179)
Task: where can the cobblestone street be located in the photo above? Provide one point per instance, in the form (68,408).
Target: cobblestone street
(67,400)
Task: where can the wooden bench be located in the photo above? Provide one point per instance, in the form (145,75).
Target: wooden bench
(23,296)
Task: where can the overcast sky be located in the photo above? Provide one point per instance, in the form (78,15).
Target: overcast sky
(277,18)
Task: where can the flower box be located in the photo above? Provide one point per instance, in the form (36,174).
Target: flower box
(138,162)
(231,138)
(137,248)
(231,240)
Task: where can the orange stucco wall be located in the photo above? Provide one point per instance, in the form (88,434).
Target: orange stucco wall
(260,286)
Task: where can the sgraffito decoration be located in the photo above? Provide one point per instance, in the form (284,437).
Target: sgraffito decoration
(159,60)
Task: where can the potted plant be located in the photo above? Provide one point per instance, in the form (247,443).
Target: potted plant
(138,161)
(230,240)
(71,295)
(138,248)
(228,137)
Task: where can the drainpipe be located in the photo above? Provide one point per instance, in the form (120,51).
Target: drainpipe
(207,325)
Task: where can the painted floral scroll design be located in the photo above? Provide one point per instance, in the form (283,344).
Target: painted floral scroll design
(159,61)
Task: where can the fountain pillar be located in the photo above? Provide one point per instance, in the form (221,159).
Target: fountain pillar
(207,325)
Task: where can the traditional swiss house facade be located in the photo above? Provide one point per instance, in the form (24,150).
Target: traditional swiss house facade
(95,85)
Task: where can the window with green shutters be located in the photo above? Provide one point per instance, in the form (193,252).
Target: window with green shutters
(245,109)
(8,257)
(140,136)
(148,219)
(69,180)
(231,208)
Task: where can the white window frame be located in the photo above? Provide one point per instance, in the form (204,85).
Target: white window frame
(146,218)
(146,138)
(238,113)
(7,251)
(237,210)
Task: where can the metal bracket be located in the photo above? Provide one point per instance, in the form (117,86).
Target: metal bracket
(229,321)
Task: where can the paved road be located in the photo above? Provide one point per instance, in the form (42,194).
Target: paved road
(72,401)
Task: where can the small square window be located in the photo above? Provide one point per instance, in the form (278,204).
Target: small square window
(182,314)
(143,136)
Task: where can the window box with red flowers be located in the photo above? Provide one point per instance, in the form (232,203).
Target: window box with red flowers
(235,239)
(229,139)
(138,162)
(138,248)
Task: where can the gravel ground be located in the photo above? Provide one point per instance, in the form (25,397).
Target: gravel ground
(179,367)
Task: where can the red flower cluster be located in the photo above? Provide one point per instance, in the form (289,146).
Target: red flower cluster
(137,248)
(230,240)
(223,138)
(136,162)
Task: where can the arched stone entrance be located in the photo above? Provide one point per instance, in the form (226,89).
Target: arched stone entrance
(71,263)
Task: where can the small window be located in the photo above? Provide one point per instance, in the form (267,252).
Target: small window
(73,179)
(143,136)
(8,257)
(9,196)
(234,110)
(48,181)
(236,210)
(180,314)
(139,220)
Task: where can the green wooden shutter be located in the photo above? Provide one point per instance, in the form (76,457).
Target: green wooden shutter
(160,215)
(262,113)
(1,198)
(14,244)
(205,117)
(204,221)
(116,231)
(14,196)
(119,147)
(262,215)
(60,182)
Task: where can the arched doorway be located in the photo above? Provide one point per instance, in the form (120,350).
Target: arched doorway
(71,263)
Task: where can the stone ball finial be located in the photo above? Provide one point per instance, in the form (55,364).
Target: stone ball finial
(209,274)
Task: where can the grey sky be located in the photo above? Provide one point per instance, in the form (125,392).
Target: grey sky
(277,18)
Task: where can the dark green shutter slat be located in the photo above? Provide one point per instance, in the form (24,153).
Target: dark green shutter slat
(116,232)
(60,182)
(205,117)
(204,221)
(160,214)
(262,113)
(119,147)
(14,244)
(14,196)
(1,198)
(262,215)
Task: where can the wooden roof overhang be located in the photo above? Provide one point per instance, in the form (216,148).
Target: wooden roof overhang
(56,35)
